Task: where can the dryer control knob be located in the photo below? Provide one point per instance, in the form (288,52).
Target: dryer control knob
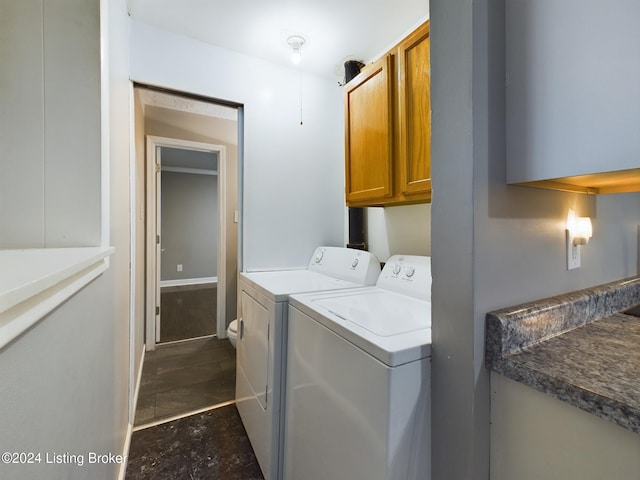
(396,269)
(355,263)
(319,256)
(410,271)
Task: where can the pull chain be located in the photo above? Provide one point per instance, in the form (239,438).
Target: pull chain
(300,78)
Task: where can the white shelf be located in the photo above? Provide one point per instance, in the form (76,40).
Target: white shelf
(33,282)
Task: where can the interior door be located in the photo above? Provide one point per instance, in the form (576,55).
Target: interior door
(158,238)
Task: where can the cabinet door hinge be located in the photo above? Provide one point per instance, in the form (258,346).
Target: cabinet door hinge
(157,310)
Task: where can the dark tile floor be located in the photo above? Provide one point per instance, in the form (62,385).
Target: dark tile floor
(209,445)
(183,377)
(188,311)
(179,378)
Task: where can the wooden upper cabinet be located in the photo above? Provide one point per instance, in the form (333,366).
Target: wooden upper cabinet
(369,133)
(388,127)
(414,113)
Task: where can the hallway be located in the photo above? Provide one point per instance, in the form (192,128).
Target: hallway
(188,311)
(183,377)
(186,423)
(208,445)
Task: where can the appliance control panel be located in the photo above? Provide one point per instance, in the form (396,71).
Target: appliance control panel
(347,264)
(408,275)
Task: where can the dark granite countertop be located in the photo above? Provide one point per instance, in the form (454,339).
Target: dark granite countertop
(577,347)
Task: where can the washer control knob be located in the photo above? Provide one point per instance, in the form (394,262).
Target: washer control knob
(355,263)
(319,256)
(409,272)
(396,269)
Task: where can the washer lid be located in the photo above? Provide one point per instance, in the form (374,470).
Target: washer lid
(379,312)
(394,328)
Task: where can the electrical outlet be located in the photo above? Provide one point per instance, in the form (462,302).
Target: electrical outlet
(179,267)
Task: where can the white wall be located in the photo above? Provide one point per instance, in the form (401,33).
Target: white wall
(124,339)
(138,224)
(50,124)
(399,230)
(535,436)
(293,174)
(64,382)
(62,390)
(493,245)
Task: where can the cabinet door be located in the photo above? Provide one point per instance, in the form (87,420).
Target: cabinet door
(414,113)
(369,133)
(573,105)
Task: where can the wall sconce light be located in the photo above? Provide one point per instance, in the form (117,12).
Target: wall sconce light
(578,232)
(296,42)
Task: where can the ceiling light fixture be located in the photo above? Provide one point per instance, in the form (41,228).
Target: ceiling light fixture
(296,42)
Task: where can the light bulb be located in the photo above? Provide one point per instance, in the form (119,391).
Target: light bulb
(584,230)
(296,56)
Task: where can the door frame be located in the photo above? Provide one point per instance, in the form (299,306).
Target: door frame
(152,274)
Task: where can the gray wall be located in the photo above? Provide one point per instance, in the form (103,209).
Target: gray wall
(493,245)
(459,402)
(50,124)
(189,225)
(572,110)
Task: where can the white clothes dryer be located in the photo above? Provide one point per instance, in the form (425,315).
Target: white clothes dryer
(262,340)
(358,379)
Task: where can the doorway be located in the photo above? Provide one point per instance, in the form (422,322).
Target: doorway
(189,207)
(191,151)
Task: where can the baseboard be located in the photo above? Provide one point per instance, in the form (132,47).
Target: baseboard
(136,391)
(127,440)
(188,281)
(125,453)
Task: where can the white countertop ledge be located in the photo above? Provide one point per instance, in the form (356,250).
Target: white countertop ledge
(33,282)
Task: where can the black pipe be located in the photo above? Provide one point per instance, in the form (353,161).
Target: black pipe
(351,69)
(357,234)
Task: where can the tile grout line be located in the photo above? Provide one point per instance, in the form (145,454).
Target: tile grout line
(183,415)
(173,343)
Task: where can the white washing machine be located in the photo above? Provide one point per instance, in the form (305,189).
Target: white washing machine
(358,379)
(262,340)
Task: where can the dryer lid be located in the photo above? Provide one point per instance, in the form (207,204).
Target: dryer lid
(279,284)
